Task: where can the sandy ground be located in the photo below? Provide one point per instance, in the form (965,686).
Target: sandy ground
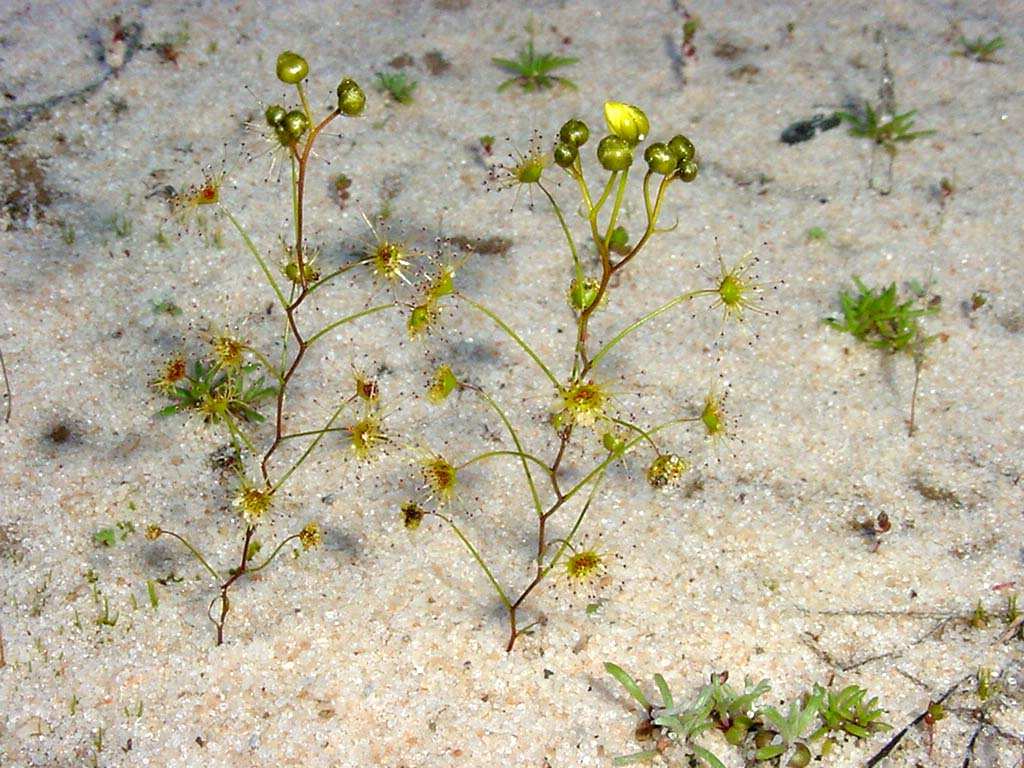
(384,648)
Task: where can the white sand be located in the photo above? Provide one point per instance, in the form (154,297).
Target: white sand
(385,648)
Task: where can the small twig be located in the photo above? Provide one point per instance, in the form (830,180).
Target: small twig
(918,364)
(3,657)
(8,395)
(890,745)
(969,752)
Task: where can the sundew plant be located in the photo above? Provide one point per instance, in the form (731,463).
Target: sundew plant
(584,416)
(230,388)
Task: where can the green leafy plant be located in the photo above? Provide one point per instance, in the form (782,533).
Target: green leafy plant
(790,730)
(764,733)
(981,49)
(108,537)
(229,386)
(584,417)
(849,711)
(685,722)
(881,318)
(532,71)
(398,85)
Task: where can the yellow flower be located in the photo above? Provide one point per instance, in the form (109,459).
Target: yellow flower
(253,503)
(582,403)
(310,536)
(366,436)
(666,470)
(412,515)
(229,351)
(440,477)
(626,121)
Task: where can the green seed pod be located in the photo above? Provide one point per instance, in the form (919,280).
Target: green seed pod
(660,159)
(736,733)
(351,98)
(688,170)
(443,384)
(565,154)
(291,271)
(763,738)
(682,148)
(574,132)
(295,124)
(801,756)
(582,294)
(614,153)
(619,240)
(419,320)
(275,115)
(613,443)
(291,68)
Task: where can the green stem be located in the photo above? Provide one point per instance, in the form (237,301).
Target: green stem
(313,432)
(295,203)
(235,431)
(266,363)
(635,428)
(613,456)
(577,265)
(514,336)
(643,320)
(305,102)
(334,274)
(194,551)
(567,540)
(312,445)
(616,207)
(273,554)
(479,560)
(349,319)
(519,445)
(595,209)
(259,259)
(491,454)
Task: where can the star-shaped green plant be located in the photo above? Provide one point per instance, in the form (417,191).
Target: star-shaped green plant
(532,71)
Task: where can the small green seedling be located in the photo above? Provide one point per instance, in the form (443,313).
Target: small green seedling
(981,49)
(531,71)
(166,307)
(884,130)
(882,319)
(121,225)
(398,85)
(849,711)
(790,731)
(684,723)
(817,235)
(108,537)
(887,129)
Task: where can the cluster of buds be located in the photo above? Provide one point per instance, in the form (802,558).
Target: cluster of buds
(627,127)
(289,126)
